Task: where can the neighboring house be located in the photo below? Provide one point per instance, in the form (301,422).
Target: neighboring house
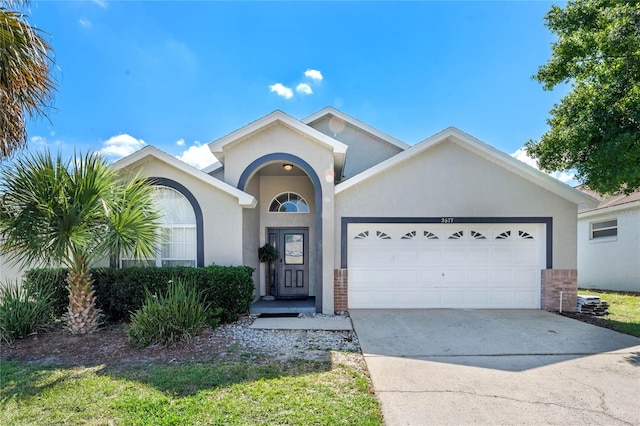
(363,220)
(609,243)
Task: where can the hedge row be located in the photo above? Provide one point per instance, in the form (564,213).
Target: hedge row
(120,292)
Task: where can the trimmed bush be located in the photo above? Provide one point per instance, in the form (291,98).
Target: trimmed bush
(120,292)
(175,315)
(24,310)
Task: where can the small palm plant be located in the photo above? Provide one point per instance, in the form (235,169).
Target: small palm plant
(74,213)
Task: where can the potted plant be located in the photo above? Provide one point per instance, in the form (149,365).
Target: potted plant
(267,254)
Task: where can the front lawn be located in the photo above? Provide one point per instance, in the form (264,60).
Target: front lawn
(624,311)
(216,393)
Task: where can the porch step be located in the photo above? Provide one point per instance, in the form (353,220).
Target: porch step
(328,324)
(303,306)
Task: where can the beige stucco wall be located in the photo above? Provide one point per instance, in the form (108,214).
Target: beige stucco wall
(610,263)
(279,138)
(222,215)
(10,273)
(365,150)
(451,181)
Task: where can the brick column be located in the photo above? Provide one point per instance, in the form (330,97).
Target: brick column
(340,289)
(554,281)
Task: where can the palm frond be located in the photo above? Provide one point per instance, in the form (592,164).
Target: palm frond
(26,83)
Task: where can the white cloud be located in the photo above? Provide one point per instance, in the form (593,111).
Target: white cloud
(85,23)
(101,3)
(566,177)
(38,140)
(43,142)
(180,142)
(304,88)
(120,146)
(315,75)
(199,156)
(281,90)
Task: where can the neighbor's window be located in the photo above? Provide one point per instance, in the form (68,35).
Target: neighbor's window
(178,231)
(289,202)
(606,229)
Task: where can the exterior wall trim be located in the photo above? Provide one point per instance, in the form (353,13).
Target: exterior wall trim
(160,181)
(317,189)
(548,221)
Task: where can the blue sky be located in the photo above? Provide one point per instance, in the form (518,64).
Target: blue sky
(178,75)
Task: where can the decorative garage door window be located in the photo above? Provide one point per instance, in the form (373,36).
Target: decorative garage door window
(458,235)
(289,202)
(177,228)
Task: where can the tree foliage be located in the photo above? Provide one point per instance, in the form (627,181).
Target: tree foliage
(26,84)
(595,129)
(74,213)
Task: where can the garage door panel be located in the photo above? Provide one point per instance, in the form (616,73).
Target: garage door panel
(455,255)
(384,256)
(478,256)
(407,276)
(431,255)
(445,266)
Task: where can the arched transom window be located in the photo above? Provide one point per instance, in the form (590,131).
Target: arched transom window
(289,202)
(178,245)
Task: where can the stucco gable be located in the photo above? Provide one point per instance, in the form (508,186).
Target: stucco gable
(499,158)
(150,152)
(364,127)
(279,118)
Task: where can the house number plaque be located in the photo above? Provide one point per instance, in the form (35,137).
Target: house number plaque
(446,220)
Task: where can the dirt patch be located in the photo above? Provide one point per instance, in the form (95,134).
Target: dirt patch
(235,341)
(588,318)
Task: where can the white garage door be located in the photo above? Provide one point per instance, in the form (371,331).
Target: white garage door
(445,265)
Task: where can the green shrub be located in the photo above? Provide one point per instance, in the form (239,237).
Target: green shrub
(176,315)
(120,292)
(24,310)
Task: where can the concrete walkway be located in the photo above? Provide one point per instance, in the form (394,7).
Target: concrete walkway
(330,324)
(498,367)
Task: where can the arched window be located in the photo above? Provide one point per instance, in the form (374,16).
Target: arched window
(289,202)
(178,245)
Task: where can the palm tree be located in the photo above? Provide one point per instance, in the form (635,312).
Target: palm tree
(26,86)
(74,213)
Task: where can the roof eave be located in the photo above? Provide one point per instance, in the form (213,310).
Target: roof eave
(609,210)
(244,200)
(338,148)
(486,151)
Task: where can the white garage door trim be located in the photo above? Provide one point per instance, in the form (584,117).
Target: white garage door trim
(445,263)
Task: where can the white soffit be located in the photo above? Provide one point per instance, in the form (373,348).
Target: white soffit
(355,123)
(244,199)
(484,150)
(338,148)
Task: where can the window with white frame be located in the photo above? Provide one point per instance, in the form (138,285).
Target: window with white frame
(604,229)
(289,202)
(178,231)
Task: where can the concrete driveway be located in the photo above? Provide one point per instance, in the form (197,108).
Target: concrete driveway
(459,367)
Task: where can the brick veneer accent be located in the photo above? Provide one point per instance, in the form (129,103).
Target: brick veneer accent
(340,290)
(556,280)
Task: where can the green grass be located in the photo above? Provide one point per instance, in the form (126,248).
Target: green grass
(624,310)
(229,393)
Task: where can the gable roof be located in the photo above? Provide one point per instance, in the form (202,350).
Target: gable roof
(486,151)
(355,123)
(149,152)
(278,117)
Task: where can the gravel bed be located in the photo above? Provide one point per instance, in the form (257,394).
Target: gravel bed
(289,344)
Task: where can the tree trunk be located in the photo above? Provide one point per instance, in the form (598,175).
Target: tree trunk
(82,316)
